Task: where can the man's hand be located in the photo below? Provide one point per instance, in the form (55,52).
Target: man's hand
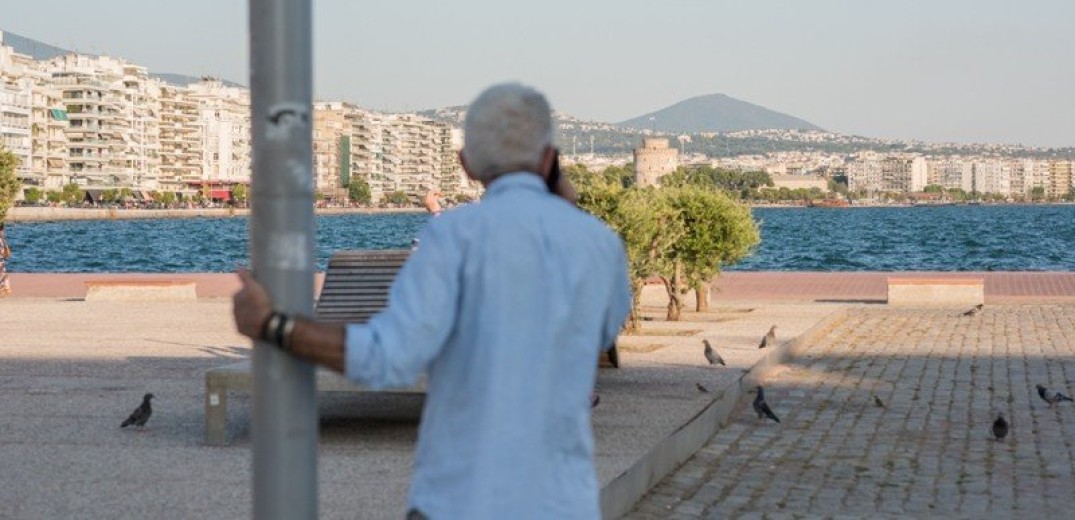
(431,202)
(251,306)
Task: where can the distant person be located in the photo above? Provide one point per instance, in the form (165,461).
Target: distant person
(5,253)
(504,305)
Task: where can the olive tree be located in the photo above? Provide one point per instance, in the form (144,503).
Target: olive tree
(646,226)
(713,231)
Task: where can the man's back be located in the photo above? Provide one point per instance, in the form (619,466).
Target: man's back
(509,301)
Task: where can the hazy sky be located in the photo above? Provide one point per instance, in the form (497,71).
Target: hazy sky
(939,70)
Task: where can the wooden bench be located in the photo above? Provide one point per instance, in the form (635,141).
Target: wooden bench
(919,291)
(355,288)
(140,289)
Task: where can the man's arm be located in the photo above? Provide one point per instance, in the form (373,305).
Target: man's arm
(393,348)
(318,343)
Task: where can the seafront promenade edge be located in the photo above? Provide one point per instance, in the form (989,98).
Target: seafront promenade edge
(772,286)
(48,213)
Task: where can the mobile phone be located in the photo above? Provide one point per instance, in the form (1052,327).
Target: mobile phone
(554,173)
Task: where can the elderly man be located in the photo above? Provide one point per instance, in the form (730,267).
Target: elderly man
(504,306)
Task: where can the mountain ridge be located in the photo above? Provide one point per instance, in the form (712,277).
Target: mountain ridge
(716,113)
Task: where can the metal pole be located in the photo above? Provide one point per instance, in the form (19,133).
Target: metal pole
(281,253)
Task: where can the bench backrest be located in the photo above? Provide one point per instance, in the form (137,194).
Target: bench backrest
(356,284)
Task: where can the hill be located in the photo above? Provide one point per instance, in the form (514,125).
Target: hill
(716,113)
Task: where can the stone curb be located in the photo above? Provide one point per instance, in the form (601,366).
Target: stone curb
(624,491)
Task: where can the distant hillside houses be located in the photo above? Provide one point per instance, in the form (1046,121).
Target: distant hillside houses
(106,124)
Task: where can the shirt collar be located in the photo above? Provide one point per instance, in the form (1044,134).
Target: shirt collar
(515,180)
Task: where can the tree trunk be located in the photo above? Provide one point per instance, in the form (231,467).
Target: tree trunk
(701,296)
(672,287)
(634,318)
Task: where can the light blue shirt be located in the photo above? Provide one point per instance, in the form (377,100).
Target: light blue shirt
(505,306)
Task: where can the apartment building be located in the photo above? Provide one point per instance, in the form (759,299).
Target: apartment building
(333,131)
(181,140)
(1028,175)
(864,173)
(16,97)
(993,176)
(113,136)
(903,174)
(1060,178)
(407,153)
(224,120)
(951,173)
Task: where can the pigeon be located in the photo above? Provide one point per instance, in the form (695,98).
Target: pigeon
(141,414)
(769,339)
(701,388)
(711,355)
(877,401)
(1000,427)
(762,408)
(1051,397)
(974,310)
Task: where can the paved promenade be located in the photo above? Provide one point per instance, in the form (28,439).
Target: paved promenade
(928,452)
(70,370)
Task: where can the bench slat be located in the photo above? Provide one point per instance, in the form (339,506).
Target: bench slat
(357,283)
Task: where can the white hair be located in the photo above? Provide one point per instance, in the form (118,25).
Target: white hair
(507,129)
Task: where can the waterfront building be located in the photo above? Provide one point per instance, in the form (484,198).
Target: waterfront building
(333,134)
(181,143)
(951,173)
(407,153)
(653,160)
(903,174)
(992,176)
(16,95)
(864,173)
(1035,173)
(113,135)
(224,122)
(1060,178)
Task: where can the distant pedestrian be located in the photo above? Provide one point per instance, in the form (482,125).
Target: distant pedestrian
(5,252)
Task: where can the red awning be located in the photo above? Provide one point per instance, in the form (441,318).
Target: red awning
(220,194)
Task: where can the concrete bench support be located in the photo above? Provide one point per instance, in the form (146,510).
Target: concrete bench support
(238,377)
(935,292)
(140,290)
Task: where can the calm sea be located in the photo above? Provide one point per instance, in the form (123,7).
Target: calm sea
(947,238)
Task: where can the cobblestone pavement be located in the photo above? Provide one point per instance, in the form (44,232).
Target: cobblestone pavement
(927,453)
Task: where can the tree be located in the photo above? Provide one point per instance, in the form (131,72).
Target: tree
(358,190)
(33,195)
(397,197)
(1037,193)
(646,225)
(72,194)
(714,231)
(238,194)
(9,182)
(54,196)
